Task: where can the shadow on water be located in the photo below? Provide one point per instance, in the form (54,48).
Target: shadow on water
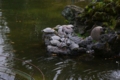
(21,22)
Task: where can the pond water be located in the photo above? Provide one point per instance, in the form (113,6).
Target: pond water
(23,55)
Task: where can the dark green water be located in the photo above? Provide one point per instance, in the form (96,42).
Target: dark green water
(26,19)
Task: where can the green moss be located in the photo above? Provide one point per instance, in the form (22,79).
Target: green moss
(79,35)
(104,13)
(113,23)
(105,24)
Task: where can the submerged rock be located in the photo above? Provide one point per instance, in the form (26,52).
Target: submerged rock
(57,50)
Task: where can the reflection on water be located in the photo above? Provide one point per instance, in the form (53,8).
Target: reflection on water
(7,72)
(5,51)
(115,75)
(56,68)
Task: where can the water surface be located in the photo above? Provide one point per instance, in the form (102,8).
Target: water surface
(25,19)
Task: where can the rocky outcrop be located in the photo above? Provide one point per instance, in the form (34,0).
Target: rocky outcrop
(101,20)
(71,13)
(62,40)
(105,13)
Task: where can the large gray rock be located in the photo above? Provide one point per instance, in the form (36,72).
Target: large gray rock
(95,33)
(71,12)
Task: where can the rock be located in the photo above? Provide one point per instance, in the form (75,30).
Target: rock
(55,37)
(89,39)
(61,32)
(107,42)
(96,32)
(99,47)
(76,39)
(100,18)
(112,39)
(70,26)
(70,12)
(116,45)
(83,43)
(68,42)
(103,38)
(102,50)
(62,44)
(89,47)
(63,39)
(47,41)
(68,29)
(90,51)
(47,37)
(54,49)
(82,50)
(54,42)
(47,34)
(48,30)
(74,46)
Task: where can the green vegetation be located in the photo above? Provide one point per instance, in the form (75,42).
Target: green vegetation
(105,13)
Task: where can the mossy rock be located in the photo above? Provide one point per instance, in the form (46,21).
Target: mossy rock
(104,13)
